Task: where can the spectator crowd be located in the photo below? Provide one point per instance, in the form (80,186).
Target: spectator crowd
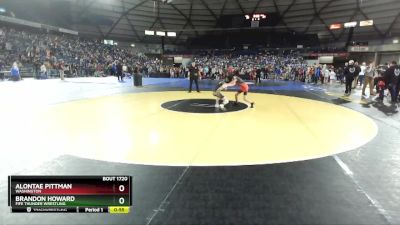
(47,52)
(55,54)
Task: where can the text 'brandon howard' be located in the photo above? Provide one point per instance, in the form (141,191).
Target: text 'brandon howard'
(43,200)
(36,188)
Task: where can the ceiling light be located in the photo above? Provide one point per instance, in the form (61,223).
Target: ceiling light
(171,34)
(366,23)
(160,33)
(149,32)
(350,24)
(335,26)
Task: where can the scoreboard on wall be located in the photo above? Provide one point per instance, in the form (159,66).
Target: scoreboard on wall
(70,194)
(243,21)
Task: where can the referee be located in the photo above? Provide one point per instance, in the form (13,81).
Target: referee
(194,76)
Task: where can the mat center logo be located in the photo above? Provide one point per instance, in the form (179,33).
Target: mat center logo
(202,106)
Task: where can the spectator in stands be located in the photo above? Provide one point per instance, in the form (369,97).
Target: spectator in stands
(310,74)
(124,69)
(265,72)
(1,71)
(278,73)
(332,76)
(317,74)
(114,69)
(43,72)
(130,71)
(326,74)
(36,67)
(172,72)
(61,69)
(15,74)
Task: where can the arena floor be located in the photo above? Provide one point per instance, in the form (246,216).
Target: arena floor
(304,155)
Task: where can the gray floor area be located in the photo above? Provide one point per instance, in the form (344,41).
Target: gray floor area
(357,187)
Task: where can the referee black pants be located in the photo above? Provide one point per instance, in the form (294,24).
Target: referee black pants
(258,79)
(120,77)
(349,81)
(196,81)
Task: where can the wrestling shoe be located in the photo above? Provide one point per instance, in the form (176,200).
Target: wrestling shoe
(226,101)
(252,105)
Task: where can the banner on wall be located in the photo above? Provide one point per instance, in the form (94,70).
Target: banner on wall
(178,59)
(325,60)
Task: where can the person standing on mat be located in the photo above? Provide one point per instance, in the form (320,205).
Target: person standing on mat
(194,76)
(235,80)
(220,97)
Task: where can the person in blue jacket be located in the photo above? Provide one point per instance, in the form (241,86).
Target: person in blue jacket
(317,74)
(15,75)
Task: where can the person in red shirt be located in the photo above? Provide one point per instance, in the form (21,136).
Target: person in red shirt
(235,80)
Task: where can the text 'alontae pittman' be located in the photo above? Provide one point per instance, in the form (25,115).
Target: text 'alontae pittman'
(37,188)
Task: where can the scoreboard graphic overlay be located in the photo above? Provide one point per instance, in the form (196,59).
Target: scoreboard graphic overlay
(70,194)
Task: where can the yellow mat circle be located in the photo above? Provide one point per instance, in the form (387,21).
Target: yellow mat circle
(134,128)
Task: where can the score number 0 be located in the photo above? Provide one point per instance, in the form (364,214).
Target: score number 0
(121,200)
